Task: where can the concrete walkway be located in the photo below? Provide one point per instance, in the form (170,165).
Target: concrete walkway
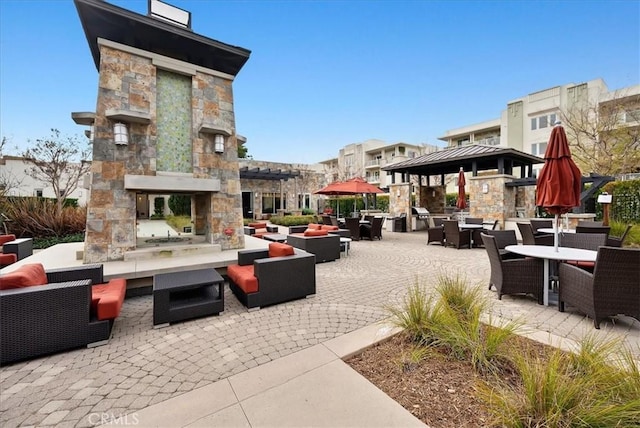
(279,366)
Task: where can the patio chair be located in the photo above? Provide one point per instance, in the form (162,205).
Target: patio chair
(373,230)
(617,241)
(589,223)
(593,229)
(456,237)
(475,233)
(473,220)
(353,224)
(517,276)
(537,223)
(528,238)
(610,290)
(43,312)
(436,233)
(584,241)
(278,274)
(326,219)
(504,238)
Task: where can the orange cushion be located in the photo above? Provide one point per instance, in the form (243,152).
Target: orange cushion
(243,277)
(107,299)
(258,225)
(327,227)
(25,276)
(315,232)
(7,238)
(314,226)
(7,259)
(278,249)
(583,265)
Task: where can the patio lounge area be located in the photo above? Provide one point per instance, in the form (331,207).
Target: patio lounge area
(142,366)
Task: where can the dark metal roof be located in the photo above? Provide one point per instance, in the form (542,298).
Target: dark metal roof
(472,157)
(267,173)
(103,20)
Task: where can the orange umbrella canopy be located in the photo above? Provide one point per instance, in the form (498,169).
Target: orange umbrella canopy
(354,186)
(559,183)
(461,202)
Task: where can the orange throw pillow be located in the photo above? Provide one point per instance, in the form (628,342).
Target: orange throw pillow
(315,232)
(278,249)
(314,226)
(25,276)
(327,227)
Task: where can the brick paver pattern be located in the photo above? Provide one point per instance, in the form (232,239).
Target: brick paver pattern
(141,366)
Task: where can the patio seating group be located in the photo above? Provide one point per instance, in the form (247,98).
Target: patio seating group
(43,312)
(13,250)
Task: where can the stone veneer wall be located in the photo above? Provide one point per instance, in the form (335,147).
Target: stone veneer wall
(433,198)
(128,82)
(400,201)
(498,203)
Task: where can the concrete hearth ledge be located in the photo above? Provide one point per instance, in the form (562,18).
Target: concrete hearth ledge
(312,387)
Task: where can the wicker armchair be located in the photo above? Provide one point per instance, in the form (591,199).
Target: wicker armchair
(518,276)
(504,238)
(473,220)
(436,232)
(44,319)
(475,233)
(593,229)
(353,224)
(528,238)
(612,289)
(456,237)
(537,224)
(617,241)
(373,230)
(588,223)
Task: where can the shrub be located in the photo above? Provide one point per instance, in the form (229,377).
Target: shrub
(158,207)
(33,217)
(179,222)
(180,204)
(597,386)
(416,315)
(291,220)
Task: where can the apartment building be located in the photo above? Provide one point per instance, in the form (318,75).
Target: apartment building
(526,122)
(366,159)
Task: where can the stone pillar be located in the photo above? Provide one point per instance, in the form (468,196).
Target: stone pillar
(400,201)
(491,199)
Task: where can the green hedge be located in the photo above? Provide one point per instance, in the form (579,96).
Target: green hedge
(626,201)
(291,220)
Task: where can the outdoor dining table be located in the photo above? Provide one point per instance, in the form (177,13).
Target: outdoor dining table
(470,226)
(550,230)
(547,253)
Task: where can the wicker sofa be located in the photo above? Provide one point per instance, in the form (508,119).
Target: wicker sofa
(46,312)
(325,245)
(278,274)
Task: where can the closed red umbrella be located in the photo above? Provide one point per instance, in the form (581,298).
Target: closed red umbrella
(559,183)
(461,202)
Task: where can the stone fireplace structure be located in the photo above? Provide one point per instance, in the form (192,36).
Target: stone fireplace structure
(164,124)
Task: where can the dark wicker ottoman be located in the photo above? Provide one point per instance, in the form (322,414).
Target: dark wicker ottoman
(179,296)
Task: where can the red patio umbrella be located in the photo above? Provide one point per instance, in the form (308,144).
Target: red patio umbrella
(559,183)
(354,186)
(461,202)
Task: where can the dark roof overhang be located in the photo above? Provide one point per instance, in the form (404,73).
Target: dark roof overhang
(267,173)
(470,158)
(103,20)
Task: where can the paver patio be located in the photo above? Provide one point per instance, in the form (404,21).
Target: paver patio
(141,366)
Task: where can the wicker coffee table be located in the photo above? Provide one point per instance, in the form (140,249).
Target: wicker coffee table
(179,296)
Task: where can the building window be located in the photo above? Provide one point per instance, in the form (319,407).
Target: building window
(38,193)
(538,149)
(304,200)
(534,124)
(271,203)
(462,142)
(544,121)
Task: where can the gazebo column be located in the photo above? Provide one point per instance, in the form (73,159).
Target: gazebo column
(491,199)
(400,201)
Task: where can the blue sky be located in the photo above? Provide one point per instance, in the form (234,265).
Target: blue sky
(324,74)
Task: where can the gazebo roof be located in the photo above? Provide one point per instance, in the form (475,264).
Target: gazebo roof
(267,173)
(103,20)
(473,157)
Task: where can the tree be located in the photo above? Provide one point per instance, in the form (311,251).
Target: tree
(59,162)
(605,135)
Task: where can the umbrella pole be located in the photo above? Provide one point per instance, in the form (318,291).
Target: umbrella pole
(555,233)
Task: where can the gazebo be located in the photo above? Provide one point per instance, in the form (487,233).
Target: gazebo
(491,167)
